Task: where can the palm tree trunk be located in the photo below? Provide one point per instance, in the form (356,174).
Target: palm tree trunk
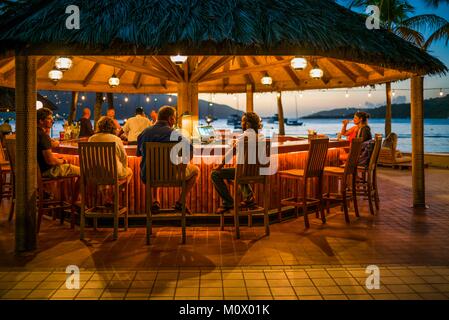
(97,109)
(281,114)
(110,100)
(388,110)
(417,122)
(72,113)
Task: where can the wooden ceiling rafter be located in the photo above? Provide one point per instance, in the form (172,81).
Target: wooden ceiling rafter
(217,65)
(290,72)
(327,75)
(203,67)
(131,67)
(359,69)
(122,71)
(343,69)
(236,72)
(226,68)
(248,77)
(91,74)
(162,67)
(173,66)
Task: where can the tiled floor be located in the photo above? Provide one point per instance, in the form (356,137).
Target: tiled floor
(410,247)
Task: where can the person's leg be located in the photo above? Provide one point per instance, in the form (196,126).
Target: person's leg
(192,173)
(218,177)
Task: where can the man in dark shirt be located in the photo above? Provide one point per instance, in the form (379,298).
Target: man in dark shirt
(86,129)
(163,131)
(49,165)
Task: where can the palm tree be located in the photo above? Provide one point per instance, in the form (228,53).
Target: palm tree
(436,3)
(395,16)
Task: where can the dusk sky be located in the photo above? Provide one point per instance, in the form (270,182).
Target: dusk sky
(313,101)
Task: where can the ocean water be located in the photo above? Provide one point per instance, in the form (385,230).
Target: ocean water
(436,131)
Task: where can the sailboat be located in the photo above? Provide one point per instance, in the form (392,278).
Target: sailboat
(294,122)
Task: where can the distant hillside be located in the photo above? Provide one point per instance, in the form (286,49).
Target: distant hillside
(125,110)
(437,108)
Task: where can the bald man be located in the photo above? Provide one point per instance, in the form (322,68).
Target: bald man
(86,129)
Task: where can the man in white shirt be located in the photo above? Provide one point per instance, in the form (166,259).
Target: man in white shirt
(135,125)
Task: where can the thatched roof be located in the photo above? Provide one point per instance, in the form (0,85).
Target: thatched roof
(318,29)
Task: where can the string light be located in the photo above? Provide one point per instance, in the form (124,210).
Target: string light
(301,95)
(148,99)
(170,99)
(83,97)
(441,92)
(369,94)
(347,94)
(126,99)
(104,98)
(393,93)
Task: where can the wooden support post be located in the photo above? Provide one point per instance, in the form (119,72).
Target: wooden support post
(280,114)
(249,98)
(26,154)
(388,110)
(97,108)
(188,102)
(72,114)
(417,122)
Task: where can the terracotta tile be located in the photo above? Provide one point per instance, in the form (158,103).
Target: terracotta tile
(145,276)
(330,290)
(30,285)
(256,283)
(90,293)
(279,283)
(423,288)
(400,288)
(254,276)
(297,274)
(442,287)
(187,292)
(259,291)
(359,297)
(232,276)
(282,291)
(433,296)
(346,281)
(275,275)
(285,298)
(233,283)
(409,296)
(353,290)
(214,292)
(41,294)
(323,282)
(211,283)
(384,296)
(64,293)
(36,276)
(96,284)
(434,279)
(306,291)
(236,292)
(316,297)
(335,297)
(16,294)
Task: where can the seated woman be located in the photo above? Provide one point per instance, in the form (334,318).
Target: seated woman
(106,133)
(360,130)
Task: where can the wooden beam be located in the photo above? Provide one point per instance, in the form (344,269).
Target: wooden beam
(217,65)
(163,83)
(340,66)
(121,72)
(175,69)
(378,70)
(185,69)
(163,66)
(5,62)
(26,154)
(42,61)
(257,68)
(131,67)
(226,69)
(361,71)
(249,98)
(291,73)
(248,77)
(264,72)
(91,74)
(326,73)
(203,68)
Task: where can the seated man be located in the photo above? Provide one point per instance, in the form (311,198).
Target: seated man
(162,132)
(86,129)
(5,127)
(135,125)
(50,166)
(111,114)
(250,120)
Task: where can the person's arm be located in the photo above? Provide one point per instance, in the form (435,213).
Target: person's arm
(50,158)
(227,154)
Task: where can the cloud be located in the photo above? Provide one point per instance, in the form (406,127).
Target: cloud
(400,99)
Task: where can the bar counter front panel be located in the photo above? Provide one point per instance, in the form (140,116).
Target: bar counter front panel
(203,198)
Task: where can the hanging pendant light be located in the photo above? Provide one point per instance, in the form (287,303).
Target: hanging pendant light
(267,80)
(316,73)
(170,99)
(114,81)
(178,59)
(63,63)
(299,63)
(393,93)
(126,99)
(441,92)
(55,75)
(347,94)
(369,94)
(148,99)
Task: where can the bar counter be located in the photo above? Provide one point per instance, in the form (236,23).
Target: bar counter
(291,153)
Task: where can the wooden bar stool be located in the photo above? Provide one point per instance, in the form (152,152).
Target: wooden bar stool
(5,173)
(10,144)
(161,172)
(343,174)
(313,169)
(98,166)
(250,170)
(366,182)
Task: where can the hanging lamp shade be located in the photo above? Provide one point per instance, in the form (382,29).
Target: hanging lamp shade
(267,80)
(63,63)
(178,59)
(114,81)
(316,73)
(55,75)
(299,63)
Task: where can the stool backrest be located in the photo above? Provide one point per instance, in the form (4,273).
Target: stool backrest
(376,152)
(160,170)
(98,164)
(252,156)
(354,153)
(317,157)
